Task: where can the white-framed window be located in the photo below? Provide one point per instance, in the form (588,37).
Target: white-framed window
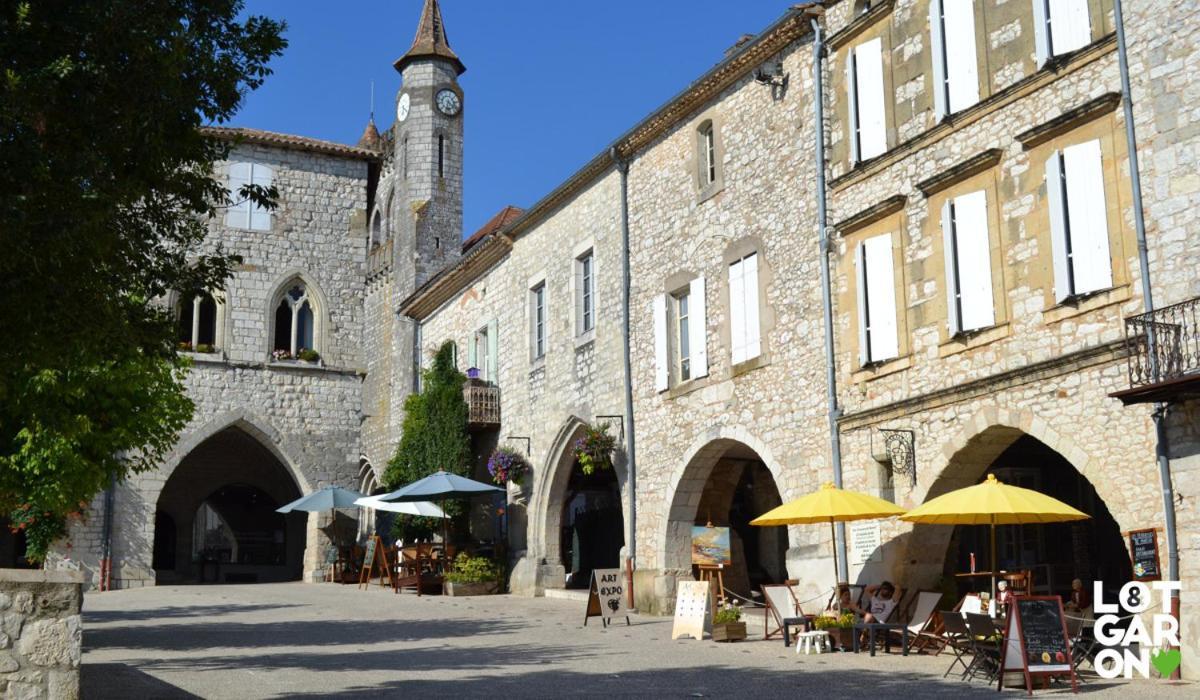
(680,335)
(295,321)
(967,250)
(708,153)
(683,354)
(878,339)
(1078,221)
(865,100)
(242,212)
(745,332)
(585,293)
(1059,27)
(199,317)
(537,321)
(955,62)
(483,352)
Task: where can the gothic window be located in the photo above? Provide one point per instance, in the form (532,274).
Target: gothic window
(387,219)
(377,230)
(294,323)
(198,325)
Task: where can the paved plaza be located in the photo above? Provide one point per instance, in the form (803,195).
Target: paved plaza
(310,640)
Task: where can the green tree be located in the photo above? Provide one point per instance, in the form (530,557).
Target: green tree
(434,438)
(106,192)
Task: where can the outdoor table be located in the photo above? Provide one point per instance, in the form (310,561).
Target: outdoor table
(873,627)
(788,622)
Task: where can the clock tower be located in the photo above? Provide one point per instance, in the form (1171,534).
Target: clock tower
(428,157)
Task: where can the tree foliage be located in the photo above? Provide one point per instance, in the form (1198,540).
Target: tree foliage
(106,190)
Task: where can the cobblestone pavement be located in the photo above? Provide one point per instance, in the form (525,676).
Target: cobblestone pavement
(326,641)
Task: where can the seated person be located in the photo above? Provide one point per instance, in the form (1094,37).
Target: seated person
(844,602)
(881,601)
(1080,599)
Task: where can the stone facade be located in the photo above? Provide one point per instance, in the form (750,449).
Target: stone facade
(41,635)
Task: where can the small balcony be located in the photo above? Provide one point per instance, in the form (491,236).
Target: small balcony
(1164,354)
(483,404)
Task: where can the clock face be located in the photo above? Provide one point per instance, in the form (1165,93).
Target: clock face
(402,107)
(448,102)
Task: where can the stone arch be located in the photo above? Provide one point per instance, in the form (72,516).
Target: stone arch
(686,485)
(320,313)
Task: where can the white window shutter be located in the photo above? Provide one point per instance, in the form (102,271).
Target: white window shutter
(493,339)
(860,271)
(1058,227)
(662,363)
(868,65)
(952,284)
(472,352)
(852,107)
(974,261)
(1070,26)
(260,217)
(937,50)
(1041,31)
(698,328)
(238,213)
(881,298)
(737,313)
(962,66)
(1087,217)
(753,327)
(577,292)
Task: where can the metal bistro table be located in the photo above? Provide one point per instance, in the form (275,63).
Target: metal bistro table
(873,627)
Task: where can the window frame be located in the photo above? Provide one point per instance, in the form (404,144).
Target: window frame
(681,334)
(537,320)
(243,207)
(196,301)
(586,266)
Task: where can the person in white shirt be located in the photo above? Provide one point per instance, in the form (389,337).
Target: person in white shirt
(881,601)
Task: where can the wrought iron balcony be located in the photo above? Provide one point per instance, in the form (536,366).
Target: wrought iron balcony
(1164,354)
(483,404)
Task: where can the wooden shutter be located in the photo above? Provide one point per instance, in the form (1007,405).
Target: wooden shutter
(698,328)
(860,270)
(238,214)
(974,261)
(260,217)
(493,349)
(662,362)
(737,313)
(852,107)
(952,284)
(1070,26)
(1058,227)
(868,64)
(962,66)
(1041,31)
(750,304)
(937,52)
(881,298)
(1087,217)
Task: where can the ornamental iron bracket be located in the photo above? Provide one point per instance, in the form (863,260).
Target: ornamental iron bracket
(620,425)
(899,453)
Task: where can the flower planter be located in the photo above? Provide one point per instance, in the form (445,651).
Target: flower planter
(467,589)
(842,637)
(728,631)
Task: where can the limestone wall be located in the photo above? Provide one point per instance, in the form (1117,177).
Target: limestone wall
(41,635)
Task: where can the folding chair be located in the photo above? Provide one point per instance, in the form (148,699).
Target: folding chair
(924,604)
(981,629)
(957,638)
(1081,645)
(781,605)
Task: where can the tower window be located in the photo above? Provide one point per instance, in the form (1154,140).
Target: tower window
(404,158)
(441,156)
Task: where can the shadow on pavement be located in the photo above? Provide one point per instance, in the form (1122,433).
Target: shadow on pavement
(175,612)
(124,681)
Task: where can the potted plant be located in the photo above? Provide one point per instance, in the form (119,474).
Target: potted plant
(473,576)
(506,465)
(183,346)
(280,355)
(728,625)
(594,450)
(472,373)
(840,628)
(205,349)
(308,355)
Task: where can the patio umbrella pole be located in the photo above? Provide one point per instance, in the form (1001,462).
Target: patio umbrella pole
(833,532)
(993,557)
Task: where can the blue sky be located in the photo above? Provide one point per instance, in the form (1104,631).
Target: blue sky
(548,83)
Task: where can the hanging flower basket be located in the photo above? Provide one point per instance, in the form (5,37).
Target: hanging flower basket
(507,465)
(595,449)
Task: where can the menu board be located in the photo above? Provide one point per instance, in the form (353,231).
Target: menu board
(1036,639)
(606,596)
(691,609)
(1143,550)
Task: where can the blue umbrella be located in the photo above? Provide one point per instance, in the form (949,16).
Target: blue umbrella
(327,498)
(439,486)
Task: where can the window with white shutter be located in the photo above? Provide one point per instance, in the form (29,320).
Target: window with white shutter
(697,329)
(242,212)
(967,248)
(865,100)
(585,293)
(955,62)
(744,330)
(1078,220)
(878,337)
(537,321)
(1060,26)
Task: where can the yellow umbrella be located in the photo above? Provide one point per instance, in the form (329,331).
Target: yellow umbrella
(993,503)
(832,505)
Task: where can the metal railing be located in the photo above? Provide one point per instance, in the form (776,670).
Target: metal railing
(483,403)
(1164,344)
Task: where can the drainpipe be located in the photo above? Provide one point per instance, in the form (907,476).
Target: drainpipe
(623,169)
(1162,448)
(835,439)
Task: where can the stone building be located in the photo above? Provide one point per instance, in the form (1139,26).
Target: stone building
(986,303)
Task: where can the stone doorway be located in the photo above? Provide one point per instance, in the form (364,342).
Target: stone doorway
(215,520)
(593,531)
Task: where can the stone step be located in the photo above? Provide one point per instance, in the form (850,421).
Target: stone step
(567,594)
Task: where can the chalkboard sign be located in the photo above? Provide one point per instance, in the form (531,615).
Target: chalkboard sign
(1036,642)
(1143,550)
(375,554)
(606,597)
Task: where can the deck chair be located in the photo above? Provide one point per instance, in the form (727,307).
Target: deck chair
(919,622)
(781,604)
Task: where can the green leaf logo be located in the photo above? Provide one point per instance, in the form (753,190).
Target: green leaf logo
(1166,661)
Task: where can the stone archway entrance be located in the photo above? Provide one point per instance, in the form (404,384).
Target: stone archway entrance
(728,484)
(215,519)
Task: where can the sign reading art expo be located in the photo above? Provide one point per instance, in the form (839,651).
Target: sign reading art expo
(606,597)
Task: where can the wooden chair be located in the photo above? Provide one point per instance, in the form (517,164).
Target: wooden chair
(781,605)
(408,570)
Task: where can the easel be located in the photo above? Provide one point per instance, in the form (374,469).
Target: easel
(711,573)
(375,552)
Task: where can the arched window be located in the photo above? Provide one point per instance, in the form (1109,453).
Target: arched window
(441,156)
(376,230)
(295,323)
(198,323)
(387,218)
